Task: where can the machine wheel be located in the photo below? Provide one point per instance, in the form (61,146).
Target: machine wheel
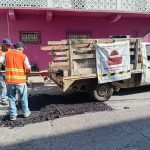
(102,92)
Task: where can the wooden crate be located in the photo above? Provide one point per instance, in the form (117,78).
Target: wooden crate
(77,57)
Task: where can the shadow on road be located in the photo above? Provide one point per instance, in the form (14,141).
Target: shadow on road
(134,90)
(133,135)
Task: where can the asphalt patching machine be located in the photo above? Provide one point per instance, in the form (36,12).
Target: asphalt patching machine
(99,66)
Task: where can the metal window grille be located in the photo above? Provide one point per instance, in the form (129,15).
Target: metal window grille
(30,37)
(79,35)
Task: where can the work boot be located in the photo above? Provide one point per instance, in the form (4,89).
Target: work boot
(12,118)
(4,102)
(26,115)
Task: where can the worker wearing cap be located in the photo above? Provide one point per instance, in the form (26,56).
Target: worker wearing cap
(16,68)
(6,46)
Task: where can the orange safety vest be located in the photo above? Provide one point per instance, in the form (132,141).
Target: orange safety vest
(15,68)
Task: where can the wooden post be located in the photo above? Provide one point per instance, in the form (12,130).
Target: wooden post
(136,53)
(70,59)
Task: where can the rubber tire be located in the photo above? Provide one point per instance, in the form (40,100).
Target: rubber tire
(105,97)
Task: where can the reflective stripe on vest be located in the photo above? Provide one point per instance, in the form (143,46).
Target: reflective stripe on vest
(16,77)
(15,69)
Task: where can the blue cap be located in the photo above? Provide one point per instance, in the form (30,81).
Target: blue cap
(7,41)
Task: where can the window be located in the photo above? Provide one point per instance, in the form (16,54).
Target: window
(30,37)
(79,35)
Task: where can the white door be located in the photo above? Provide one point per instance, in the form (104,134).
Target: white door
(146,61)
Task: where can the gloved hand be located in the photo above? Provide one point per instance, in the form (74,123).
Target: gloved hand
(28,71)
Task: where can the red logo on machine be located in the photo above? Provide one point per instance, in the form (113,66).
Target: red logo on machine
(114,58)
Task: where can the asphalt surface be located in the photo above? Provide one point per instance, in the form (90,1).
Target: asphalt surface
(45,107)
(126,127)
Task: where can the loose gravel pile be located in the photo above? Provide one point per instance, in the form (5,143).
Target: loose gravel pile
(45,107)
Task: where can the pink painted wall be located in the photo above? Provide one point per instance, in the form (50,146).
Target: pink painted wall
(60,25)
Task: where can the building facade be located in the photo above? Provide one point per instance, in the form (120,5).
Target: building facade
(37,21)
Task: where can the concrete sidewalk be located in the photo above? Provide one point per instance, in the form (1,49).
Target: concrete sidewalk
(117,130)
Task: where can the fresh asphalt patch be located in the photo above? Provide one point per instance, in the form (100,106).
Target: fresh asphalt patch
(46,107)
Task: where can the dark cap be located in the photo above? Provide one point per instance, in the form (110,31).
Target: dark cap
(7,41)
(19,45)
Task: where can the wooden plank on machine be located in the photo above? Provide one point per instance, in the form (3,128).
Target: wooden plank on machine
(83,41)
(84,56)
(62,42)
(60,58)
(60,47)
(59,53)
(84,50)
(91,41)
(84,71)
(58,64)
(104,40)
(82,45)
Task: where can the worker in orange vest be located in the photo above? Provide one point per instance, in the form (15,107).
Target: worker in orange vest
(16,67)
(6,46)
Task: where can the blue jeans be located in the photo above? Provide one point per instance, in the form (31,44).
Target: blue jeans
(3,90)
(23,97)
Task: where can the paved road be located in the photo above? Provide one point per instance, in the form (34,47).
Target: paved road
(125,128)
(133,97)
